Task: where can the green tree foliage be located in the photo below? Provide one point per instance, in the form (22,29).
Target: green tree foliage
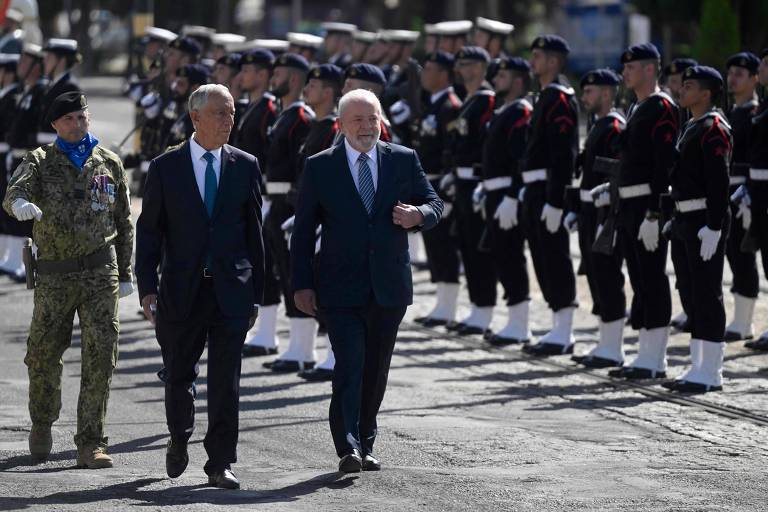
(718,36)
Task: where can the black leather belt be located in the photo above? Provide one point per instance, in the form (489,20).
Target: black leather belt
(96,259)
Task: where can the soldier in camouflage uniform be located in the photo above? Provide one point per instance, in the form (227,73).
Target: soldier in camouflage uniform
(77,192)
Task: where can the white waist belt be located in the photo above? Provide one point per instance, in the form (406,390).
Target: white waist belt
(144,166)
(644,189)
(45,137)
(585,196)
(492,184)
(434,177)
(4,147)
(691,205)
(19,153)
(738,180)
(758,174)
(534,175)
(465,173)
(279,187)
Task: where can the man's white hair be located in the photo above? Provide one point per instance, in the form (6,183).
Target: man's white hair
(199,98)
(359,96)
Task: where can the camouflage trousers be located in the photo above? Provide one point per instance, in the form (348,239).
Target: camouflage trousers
(93,295)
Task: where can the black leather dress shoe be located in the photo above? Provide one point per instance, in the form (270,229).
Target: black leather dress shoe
(431,322)
(317,375)
(371,463)
(455,326)
(548,349)
(760,344)
(731,336)
(351,463)
(596,362)
(225,479)
(685,326)
(258,351)
(632,373)
(176,458)
(503,341)
(283,366)
(471,330)
(683,386)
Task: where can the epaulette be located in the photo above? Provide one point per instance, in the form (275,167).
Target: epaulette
(562,88)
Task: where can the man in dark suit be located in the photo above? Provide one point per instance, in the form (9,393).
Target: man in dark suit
(367,195)
(201,216)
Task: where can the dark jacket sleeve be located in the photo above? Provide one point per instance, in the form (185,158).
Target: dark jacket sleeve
(517,139)
(304,227)
(664,139)
(150,233)
(424,196)
(716,150)
(562,126)
(255,232)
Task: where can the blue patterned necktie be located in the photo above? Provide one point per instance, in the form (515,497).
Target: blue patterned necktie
(209,197)
(365,182)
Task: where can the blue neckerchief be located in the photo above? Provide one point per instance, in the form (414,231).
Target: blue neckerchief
(79,151)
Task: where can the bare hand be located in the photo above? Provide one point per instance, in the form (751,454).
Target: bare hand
(305,301)
(148,304)
(406,216)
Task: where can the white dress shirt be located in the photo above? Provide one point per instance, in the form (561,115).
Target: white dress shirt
(354,166)
(199,164)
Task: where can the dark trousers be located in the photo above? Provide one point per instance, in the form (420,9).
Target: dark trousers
(478,264)
(587,230)
(743,264)
(184,343)
(508,253)
(550,253)
(362,340)
(271,283)
(442,249)
(704,281)
(679,256)
(281,211)
(652,300)
(604,275)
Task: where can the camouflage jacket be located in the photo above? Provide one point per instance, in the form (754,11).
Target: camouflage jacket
(84,210)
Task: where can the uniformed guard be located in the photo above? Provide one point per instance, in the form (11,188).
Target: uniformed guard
(255,73)
(701,221)
(59,57)
(465,138)
(227,73)
(673,74)
(647,156)
(361,42)
(188,79)
(742,81)
(492,35)
(12,37)
(452,35)
(306,45)
(286,136)
(757,183)
(371,78)
(549,166)
(338,43)
(77,193)
(222,43)
(202,35)
(432,144)
(603,271)
(402,98)
(10,90)
(503,150)
(153,43)
(22,137)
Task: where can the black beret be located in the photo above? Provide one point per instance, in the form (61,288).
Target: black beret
(292,60)
(195,73)
(603,76)
(231,59)
(746,60)
(66,103)
(327,73)
(644,51)
(260,57)
(677,66)
(703,73)
(473,53)
(551,43)
(514,64)
(366,72)
(441,58)
(186,44)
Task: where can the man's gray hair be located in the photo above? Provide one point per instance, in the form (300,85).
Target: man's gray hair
(199,98)
(359,95)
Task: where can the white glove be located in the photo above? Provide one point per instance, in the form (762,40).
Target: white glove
(601,195)
(552,217)
(745,213)
(478,199)
(447,209)
(265,207)
(400,112)
(506,213)
(571,222)
(126,288)
(448,185)
(598,230)
(318,244)
(24,210)
(287,226)
(649,234)
(709,240)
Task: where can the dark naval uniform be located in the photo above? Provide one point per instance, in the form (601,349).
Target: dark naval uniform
(322,132)
(9,97)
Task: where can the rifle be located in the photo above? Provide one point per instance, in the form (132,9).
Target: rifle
(605,240)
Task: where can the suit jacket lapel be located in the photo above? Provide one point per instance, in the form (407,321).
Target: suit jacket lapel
(188,178)
(227,159)
(340,154)
(385,175)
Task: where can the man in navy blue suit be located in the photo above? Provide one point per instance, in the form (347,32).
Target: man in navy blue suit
(201,217)
(366,195)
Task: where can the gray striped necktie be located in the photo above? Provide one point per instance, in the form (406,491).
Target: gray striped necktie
(365,182)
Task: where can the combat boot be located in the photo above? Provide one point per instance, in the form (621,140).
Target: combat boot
(40,442)
(93,457)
